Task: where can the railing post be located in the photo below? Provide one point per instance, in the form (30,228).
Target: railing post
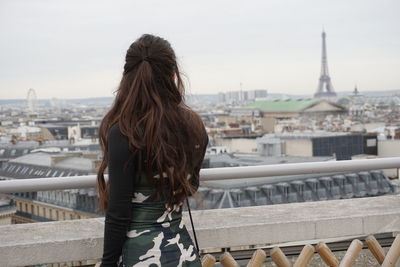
(257,259)
(352,253)
(208,260)
(305,256)
(375,248)
(279,257)
(393,254)
(326,254)
(227,260)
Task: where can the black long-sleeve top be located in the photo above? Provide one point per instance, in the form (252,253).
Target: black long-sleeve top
(121,185)
(118,213)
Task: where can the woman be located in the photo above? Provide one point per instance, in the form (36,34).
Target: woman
(153,146)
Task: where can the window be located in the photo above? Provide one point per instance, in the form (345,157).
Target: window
(371,142)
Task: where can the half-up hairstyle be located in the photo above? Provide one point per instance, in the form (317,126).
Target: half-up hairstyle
(150,110)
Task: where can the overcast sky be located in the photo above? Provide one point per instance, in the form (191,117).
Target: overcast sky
(72,49)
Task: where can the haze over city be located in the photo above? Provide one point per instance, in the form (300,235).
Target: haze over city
(76,49)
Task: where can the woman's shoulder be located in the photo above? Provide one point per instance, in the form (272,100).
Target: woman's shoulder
(191,115)
(195,119)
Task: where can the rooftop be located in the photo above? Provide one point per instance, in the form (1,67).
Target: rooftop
(38,158)
(290,105)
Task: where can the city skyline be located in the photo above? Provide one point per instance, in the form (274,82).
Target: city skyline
(73,50)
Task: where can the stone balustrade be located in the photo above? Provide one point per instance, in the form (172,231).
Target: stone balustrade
(75,240)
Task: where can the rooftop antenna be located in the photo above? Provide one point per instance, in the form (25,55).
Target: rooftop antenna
(241,92)
(31,100)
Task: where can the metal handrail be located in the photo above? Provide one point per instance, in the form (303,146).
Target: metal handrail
(75,182)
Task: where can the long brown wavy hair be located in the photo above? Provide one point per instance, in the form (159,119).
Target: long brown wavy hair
(150,110)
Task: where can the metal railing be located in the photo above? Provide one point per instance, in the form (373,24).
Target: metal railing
(74,182)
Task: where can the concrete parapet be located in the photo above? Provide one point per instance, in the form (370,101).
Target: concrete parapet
(35,243)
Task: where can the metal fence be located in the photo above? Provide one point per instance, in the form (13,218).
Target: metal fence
(59,183)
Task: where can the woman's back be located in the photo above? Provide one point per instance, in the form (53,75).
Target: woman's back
(153,145)
(155,233)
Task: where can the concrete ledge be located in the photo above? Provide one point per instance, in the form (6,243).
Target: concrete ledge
(28,244)
(297,222)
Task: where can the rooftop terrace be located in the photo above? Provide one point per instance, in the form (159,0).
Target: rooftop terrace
(234,228)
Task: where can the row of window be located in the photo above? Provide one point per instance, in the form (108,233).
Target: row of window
(20,152)
(24,170)
(47,212)
(13,152)
(85,201)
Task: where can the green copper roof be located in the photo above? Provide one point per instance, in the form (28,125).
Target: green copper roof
(290,105)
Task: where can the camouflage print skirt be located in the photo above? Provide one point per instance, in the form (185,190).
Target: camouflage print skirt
(157,237)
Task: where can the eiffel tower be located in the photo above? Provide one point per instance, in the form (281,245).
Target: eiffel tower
(325,88)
